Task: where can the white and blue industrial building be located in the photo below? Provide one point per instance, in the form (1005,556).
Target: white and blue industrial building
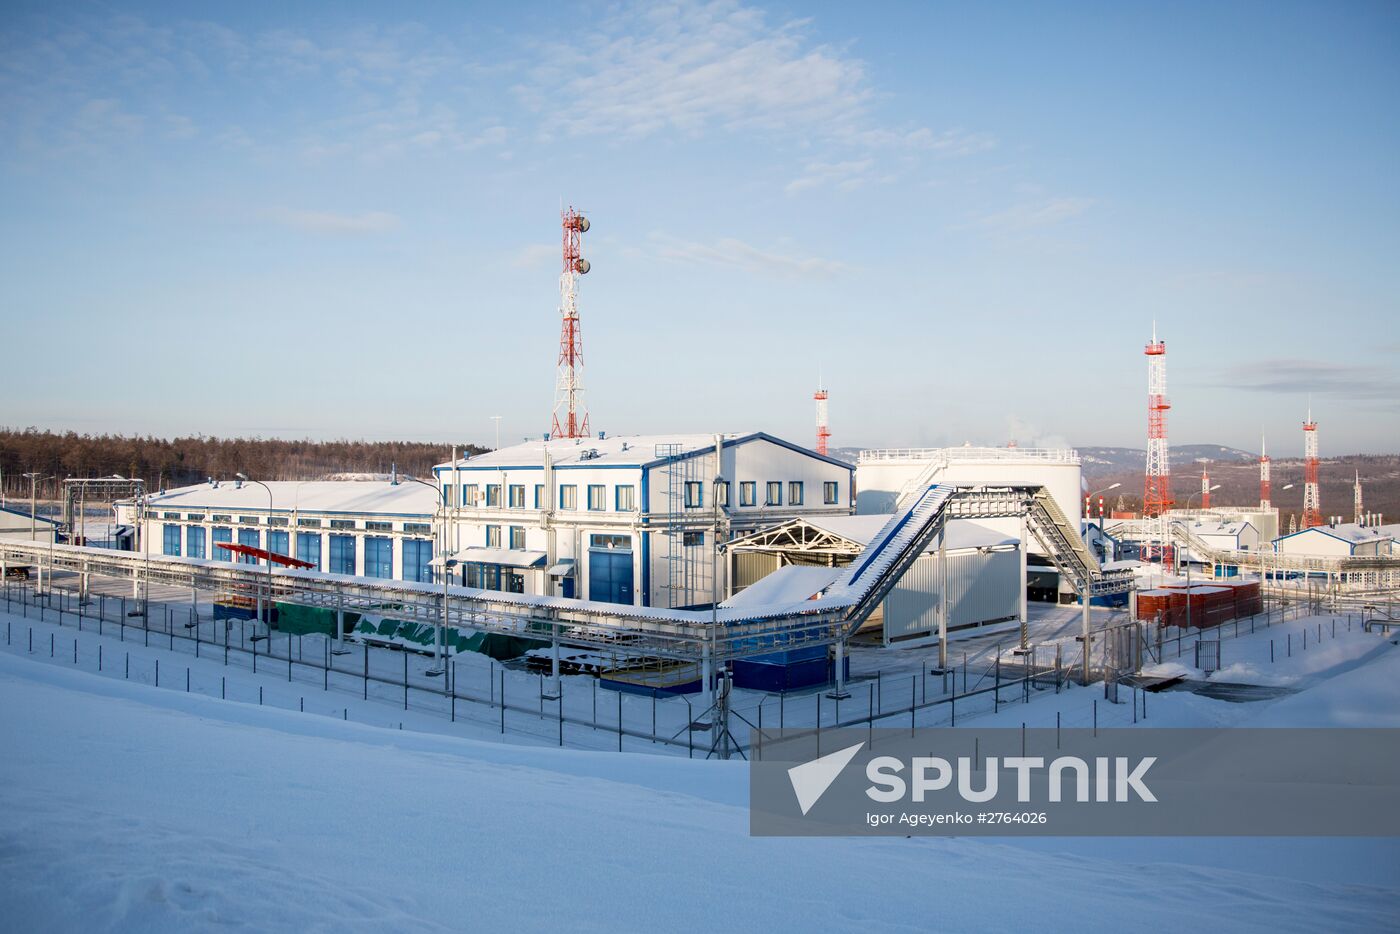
(627,519)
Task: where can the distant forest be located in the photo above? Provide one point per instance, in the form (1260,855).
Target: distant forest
(167,463)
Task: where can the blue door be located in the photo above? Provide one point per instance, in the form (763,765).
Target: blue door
(610,576)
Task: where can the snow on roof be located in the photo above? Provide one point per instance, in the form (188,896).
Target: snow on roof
(616,451)
(24,514)
(1347,532)
(621,450)
(1219,527)
(961,533)
(789,584)
(407,498)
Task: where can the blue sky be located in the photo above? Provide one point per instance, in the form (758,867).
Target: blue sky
(342,220)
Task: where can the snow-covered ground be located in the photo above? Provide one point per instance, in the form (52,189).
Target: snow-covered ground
(135,808)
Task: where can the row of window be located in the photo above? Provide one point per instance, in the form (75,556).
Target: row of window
(517,537)
(378,551)
(370,525)
(625,495)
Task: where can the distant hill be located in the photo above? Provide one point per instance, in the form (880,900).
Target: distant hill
(1237,473)
(1100,462)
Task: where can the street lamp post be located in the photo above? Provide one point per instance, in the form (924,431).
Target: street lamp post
(34,478)
(440,512)
(711,641)
(1085,598)
(246,479)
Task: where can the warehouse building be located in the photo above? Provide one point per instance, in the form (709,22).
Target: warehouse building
(630,520)
(366,528)
(1225,536)
(798,558)
(1339,539)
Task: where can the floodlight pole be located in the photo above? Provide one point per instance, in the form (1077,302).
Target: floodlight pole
(1086,597)
(268,542)
(440,642)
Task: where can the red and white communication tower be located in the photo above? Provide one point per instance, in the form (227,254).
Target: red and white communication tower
(570,416)
(1205,489)
(1312,498)
(1356,501)
(1157,489)
(1265,481)
(823,432)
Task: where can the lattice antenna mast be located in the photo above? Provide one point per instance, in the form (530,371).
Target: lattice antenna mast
(1356,499)
(1157,492)
(823,431)
(1205,488)
(1265,479)
(570,418)
(1312,498)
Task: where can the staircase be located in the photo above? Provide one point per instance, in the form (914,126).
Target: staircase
(921,482)
(1066,548)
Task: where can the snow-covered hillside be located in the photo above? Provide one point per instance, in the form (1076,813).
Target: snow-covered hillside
(142,809)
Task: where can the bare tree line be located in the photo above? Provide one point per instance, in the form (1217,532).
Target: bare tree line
(167,463)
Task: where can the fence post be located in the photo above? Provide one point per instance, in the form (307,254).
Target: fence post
(913,700)
(366,650)
(157,672)
(503,704)
(405,679)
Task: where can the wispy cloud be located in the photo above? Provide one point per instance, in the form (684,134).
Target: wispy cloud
(331,222)
(844,176)
(734,253)
(1033,215)
(88,82)
(690,67)
(1294,376)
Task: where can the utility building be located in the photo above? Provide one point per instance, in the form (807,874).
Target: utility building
(630,520)
(888,477)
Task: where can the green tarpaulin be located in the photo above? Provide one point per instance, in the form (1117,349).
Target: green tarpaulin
(296,619)
(421,636)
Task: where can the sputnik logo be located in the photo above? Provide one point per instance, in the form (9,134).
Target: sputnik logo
(810,780)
